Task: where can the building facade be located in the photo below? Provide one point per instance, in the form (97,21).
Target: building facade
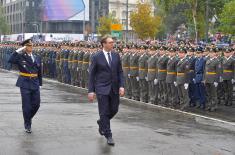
(27,16)
(121,10)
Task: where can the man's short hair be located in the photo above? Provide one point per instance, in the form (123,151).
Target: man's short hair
(104,39)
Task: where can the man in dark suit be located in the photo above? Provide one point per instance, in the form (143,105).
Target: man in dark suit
(106,81)
(29,80)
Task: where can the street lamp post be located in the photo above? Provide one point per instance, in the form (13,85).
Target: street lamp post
(127,8)
(84,22)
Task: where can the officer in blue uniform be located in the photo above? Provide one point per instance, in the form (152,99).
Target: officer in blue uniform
(29,80)
(198,80)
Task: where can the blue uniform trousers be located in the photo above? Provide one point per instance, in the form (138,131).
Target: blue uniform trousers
(201,93)
(30,104)
(192,93)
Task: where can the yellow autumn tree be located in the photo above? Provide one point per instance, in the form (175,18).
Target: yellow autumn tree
(105,23)
(143,22)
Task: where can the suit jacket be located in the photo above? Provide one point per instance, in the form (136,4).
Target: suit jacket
(26,65)
(102,77)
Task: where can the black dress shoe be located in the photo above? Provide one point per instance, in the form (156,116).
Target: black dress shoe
(100,131)
(28,130)
(212,109)
(208,109)
(202,107)
(110,141)
(192,105)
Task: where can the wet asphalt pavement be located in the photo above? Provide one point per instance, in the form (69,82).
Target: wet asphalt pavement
(66,125)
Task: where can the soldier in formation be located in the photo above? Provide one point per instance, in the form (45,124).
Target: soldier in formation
(176,76)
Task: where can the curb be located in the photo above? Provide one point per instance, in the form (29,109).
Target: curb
(147,106)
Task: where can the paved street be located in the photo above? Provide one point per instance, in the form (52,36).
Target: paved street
(66,124)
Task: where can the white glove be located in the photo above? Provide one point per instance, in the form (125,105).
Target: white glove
(155,81)
(233,81)
(137,78)
(194,81)
(77,68)
(215,84)
(186,86)
(129,76)
(20,49)
(221,79)
(175,84)
(146,78)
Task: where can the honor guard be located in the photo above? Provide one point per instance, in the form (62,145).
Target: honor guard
(29,80)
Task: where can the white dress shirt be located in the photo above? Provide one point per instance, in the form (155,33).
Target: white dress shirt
(32,57)
(106,56)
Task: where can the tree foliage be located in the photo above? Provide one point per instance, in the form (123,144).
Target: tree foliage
(105,23)
(194,11)
(227,18)
(144,23)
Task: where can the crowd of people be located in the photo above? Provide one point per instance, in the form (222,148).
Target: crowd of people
(176,75)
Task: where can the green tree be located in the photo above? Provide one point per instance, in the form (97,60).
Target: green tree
(4,28)
(144,23)
(105,23)
(227,18)
(195,11)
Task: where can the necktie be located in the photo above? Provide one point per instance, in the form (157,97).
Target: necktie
(110,61)
(32,57)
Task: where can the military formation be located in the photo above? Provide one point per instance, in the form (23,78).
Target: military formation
(175,76)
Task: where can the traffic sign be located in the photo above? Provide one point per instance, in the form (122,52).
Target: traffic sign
(116,27)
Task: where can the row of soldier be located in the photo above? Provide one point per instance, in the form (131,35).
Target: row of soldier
(180,77)
(170,76)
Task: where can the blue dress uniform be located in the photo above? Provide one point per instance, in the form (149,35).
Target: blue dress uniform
(29,80)
(199,85)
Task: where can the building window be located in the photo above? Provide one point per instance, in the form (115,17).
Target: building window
(114,13)
(123,21)
(123,14)
(27,3)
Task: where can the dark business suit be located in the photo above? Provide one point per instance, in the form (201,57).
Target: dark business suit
(105,81)
(29,85)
